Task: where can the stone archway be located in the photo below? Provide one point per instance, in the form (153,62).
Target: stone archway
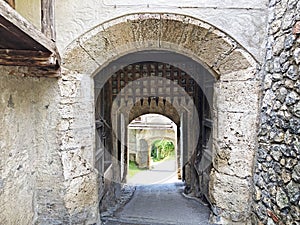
(131,110)
(236,95)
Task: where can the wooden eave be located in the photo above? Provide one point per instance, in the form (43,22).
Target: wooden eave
(22,44)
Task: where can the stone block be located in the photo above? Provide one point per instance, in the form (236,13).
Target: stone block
(237,164)
(249,73)
(68,88)
(237,60)
(146,30)
(121,36)
(235,141)
(74,164)
(231,195)
(66,111)
(207,44)
(239,96)
(82,194)
(77,59)
(172,29)
(236,129)
(99,47)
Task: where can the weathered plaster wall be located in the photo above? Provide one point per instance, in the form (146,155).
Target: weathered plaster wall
(244,20)
(30,169)
(17,179)
(30,10)
(277,172)
(47,149)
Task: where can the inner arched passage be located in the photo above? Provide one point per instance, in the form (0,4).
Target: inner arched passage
(152,150)
(235,106)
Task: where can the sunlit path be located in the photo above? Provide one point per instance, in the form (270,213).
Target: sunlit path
(160,172)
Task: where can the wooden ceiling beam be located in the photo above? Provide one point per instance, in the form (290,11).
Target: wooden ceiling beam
(21,44)
(13,38)
(26,27)
(28,58)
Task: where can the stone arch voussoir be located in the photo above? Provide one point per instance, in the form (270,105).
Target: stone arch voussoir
(189,36)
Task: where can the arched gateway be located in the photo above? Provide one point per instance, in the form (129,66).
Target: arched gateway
(234,109)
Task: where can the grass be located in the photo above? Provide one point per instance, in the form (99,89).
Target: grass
(133,169)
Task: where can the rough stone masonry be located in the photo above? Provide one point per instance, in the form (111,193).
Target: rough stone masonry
(277,169)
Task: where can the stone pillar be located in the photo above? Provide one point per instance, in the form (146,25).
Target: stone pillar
(234,145)
(185,148)
(143,154)
(76,136)
(124,153)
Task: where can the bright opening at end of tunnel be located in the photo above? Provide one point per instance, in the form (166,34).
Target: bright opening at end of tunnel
(152,145)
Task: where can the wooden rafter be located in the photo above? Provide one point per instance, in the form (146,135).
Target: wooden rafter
(21,44)
(27,58)
(11,3)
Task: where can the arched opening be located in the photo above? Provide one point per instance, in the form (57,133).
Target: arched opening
(228,81)
(152,150)
(174,86)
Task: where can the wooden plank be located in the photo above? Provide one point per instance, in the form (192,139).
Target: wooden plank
(25,71)
(13,38)
(11,3)
(48,21)
(25,27)
(28,58)
(43,72)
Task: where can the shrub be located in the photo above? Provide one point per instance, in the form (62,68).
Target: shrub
(161,149)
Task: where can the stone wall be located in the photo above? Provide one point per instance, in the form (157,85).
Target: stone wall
(244,20)
(47,156)
(236,93)
(277,171)
(31,188)
(137,136)
(47,173)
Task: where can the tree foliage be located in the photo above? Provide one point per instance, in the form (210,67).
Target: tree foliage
(161,149)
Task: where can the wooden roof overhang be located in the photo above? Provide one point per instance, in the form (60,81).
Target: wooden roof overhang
(22,44)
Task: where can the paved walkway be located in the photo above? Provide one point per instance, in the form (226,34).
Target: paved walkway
(160,173)
(159,204)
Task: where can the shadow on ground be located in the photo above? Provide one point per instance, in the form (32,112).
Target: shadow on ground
(155,197)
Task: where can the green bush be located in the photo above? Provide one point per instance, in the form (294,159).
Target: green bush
(161,149)
(133,169)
